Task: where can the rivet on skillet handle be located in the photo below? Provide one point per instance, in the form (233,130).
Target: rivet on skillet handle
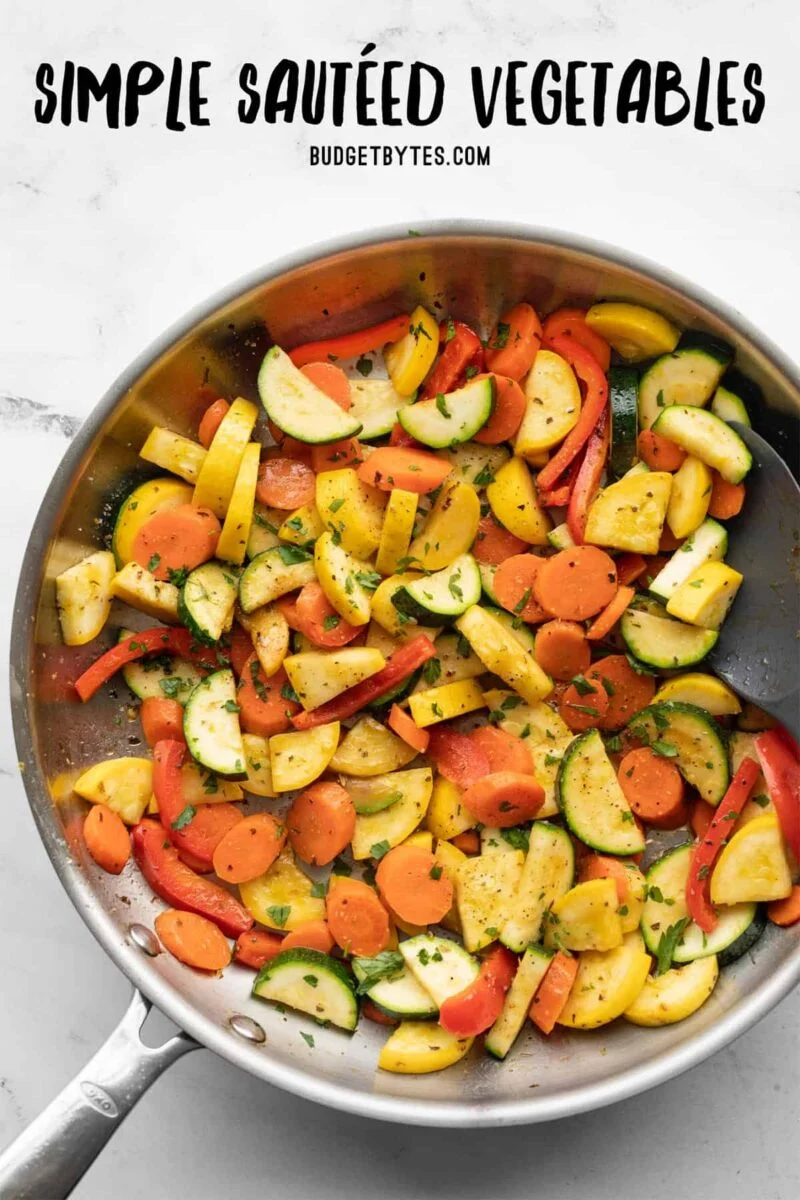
(51,1156)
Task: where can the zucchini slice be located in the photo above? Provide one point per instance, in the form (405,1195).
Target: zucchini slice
(506,1029)
(476,464)
(753,865)
(661,642)
(160,676)
(310,982)
(666,905)
(688,376)
(708,543)
(440,966)
(705,691)
(675,995)
(708,438)
(591,800)
(523,633)
(439,598)
(207,601)
(547,875)
(375,405)
(701,757)
(623,392)
(211,726)
(488,572)
(273,574)
(451,419)
(735,397)
(143,503)
(400,996)
(560,537)
(299,407)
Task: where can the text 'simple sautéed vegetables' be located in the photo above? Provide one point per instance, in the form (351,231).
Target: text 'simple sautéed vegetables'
(421,669)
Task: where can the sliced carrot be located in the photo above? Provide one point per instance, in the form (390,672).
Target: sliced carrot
(509,409)
(787,911)
(331,380)
(726,500)
(176,538)
(605,621)
(107,838)
(503,798)
(561,649)
(210,422)
(576,583)
(457,757)
(504,751)
(629,568)
(658,452)
(514,342)
(412,470)
(321,822)
(468,842)
(264,704)
(653,786)
(240,649)
(287,605)
(193,940)
(336,455)
(358,922)
(668,543)
(414,885)
(571,322)
(514,585)
(701,818)
(161,719)
(602,866)
(553,992)
(373,1013)
(285,483)
(256,947)
(202,833)
(628,692)
(347,345)
(249,848)
(407,729)
(311,935)
(582,709)
(493,543)
(288,446)
(319,620)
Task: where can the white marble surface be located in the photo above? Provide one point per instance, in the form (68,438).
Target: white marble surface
(109,236)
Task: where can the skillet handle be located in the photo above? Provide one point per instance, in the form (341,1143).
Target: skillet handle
(51,1156)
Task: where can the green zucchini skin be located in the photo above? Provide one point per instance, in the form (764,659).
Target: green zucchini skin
(747,941)
(623,386)
(207,599)
(398,692)
(663,643)
(332,997)
(211,726)
(689,376)
(439,598)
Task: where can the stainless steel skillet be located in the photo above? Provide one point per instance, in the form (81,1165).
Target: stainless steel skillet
(472,271)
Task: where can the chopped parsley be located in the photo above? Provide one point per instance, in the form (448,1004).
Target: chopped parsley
(336,504)
(665,749)
(231,706)
(289,555)
(667,945)
(308,1038)
(331,621)
(378,849)
(484,477)
(154,562)
(501,336)
(368,579)
(177,576)
(582,685)
(441,405)
(431,671)
(364,366)
(288,693)
(184,818)
(171,686)
(279,914)
(386,965)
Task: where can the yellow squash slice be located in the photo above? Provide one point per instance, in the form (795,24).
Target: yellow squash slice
(239,517)
(369,748)
(397,822)
(283,887)
(174,453)
(83,597)
(515,503)
(297,759)
(607,984)
(217,477)
(675,995)
(420,1047)
(124,784)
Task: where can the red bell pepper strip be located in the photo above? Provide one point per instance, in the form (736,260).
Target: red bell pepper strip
(462,348)
(399,437)
(629,568)
(158,640)
(195,833)
(571,322)
(176,883)
(588,478)
(595,400)
(398,667)
(558,496)
(781,770)
(347,345)
(706,851)
(478,1006)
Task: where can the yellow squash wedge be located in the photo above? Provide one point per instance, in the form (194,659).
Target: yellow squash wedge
(369,748)
(535,723)
(689,497)
(318,675)
(706,596)
(634,332)
(284,886)
(753,866)
(297,759)
(446,702)
(446,817)
(420,1047)
(136,586)
(302,526)
(515,503)
(554,405)
(217,477)
(606,984)
(264,529)
(501,652)
(174,453)
(269,633)
(675,995)
(485,890)
(629,515)
(586,918)
(257,764)
(83,597)
(124,784)
(546,757)
(409,359)
(351,509)
(393,824)
(337,571)
(239,517)
(449,530)
(398,526)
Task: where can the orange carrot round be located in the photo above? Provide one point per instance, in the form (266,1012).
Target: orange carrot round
(262,707)
(407,729)
(571,322)
(514,342)
(358,922)
(628,692)
(493,544)
(581,709)
(107,838)
(200,837)
(726,500)
(553,992)
(658,452)
(603,866)
(514,586)
(240,649)
(162,720)
(249,848)
(507,414)
(561,649)
(787,911)
(468,842)
(504,798)
(668,543)
(256,947)
(391,467)
(605,621)
(504,751)
(576,583)
(319,620)
(653,786)
(321,822)
(285,483)
(414,885)
(336,455)
(193,940)
(311,935)
(331,380)
(701,817)
(287,446)
(176,538)
(211,420)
